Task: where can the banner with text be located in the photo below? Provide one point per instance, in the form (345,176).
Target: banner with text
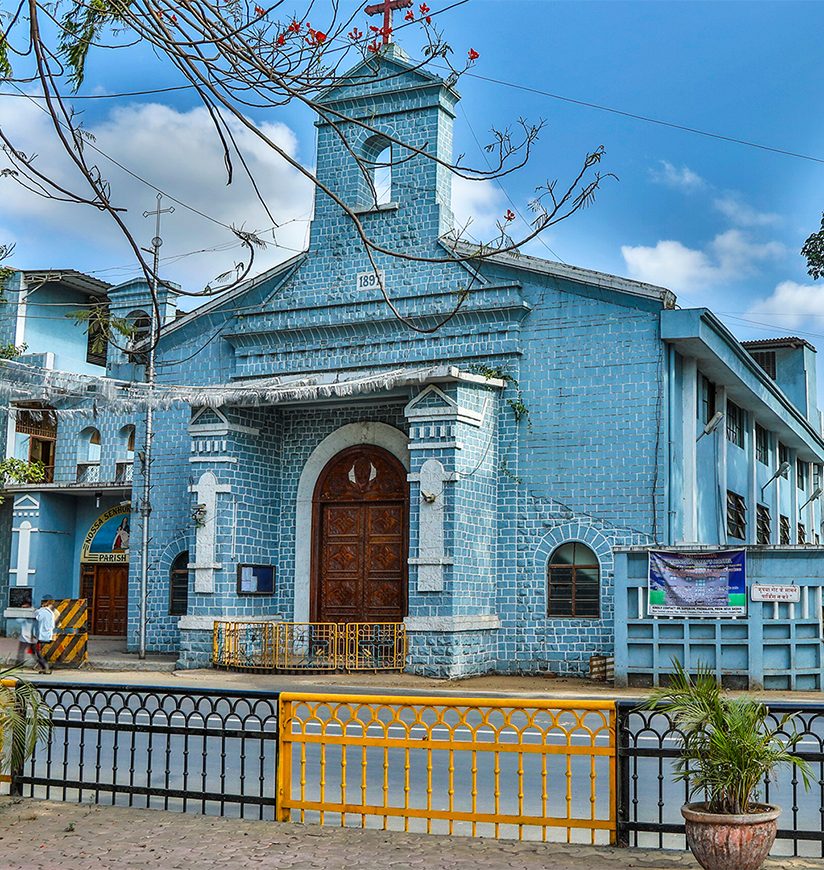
(697,584)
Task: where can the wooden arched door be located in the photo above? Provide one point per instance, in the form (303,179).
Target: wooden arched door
(360,530)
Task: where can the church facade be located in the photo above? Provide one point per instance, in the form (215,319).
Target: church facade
(474,482)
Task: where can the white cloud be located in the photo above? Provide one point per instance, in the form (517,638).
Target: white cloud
(732,206)
(481,203)
(728,257)
(793,303)
(681,178)
(179,152)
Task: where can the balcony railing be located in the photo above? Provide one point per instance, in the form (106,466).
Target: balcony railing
(88,472)
(124,472)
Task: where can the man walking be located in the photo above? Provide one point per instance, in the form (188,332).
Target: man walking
(44,619)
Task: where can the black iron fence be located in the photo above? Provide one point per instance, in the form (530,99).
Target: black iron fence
(213,752)
(649,802)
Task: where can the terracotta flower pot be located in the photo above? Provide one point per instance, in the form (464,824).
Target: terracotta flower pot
(721,842)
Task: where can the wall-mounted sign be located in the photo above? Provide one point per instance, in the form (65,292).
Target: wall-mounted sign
(108,538)
(255,579)
(370,280)
(697,584)
(775,592)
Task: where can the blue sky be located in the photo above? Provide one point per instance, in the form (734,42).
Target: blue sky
(719,223)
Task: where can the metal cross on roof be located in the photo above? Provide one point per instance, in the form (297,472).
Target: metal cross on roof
(387,7)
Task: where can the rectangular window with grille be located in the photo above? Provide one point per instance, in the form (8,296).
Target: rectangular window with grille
(763,526)
(801,474)
(784,530)
(736,515)
(766,359)
(783,456)
(802,533)
(706,399)
(735,424)
(762,445)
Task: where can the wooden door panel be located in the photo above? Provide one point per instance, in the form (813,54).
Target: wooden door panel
(111,593)
(360,538)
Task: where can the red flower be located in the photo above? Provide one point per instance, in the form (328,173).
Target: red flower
(355,34)
(473,55)
(174,19)
(294,27)
(510,215)
(410,15)
(374,29)
(260,11)
(428,19)
(424,9)
(282,39)
(373,47)
(320,36)
(385,31)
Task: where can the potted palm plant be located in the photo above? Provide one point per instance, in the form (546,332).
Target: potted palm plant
(24,719)
(728,749)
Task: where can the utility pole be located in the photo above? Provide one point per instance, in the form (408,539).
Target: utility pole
(146,505)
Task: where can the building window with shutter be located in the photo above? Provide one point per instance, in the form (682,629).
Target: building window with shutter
(801,474)
(762,445)
(179,585)
(783,456)
(706,399)
(735,424)
(784,530)
(762,524)
(736,515)
(802,533)
(766,359)
(574,582)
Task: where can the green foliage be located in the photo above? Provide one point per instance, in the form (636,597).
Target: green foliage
(813,250)
(519,408)
(12,351)
(82,26)
(6,251)
(19,471)
(5,65)
(24,719)
(727,744)
(101,326)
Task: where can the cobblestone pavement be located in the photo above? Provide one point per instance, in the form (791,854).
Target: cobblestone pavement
(40,835)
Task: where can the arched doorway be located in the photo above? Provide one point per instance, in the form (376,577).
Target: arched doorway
(360,531)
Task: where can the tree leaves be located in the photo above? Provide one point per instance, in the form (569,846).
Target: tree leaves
(813,250)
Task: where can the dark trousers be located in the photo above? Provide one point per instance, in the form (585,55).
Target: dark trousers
(37,649)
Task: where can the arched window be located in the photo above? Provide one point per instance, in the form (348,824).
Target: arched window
(179,585)
(141,324)
(382,176)
(377,165)
(574,582)
(124,470)
(88,456)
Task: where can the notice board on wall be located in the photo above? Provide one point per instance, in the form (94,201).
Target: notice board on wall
(709,584)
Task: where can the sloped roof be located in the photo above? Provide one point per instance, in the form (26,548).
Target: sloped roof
(70,277)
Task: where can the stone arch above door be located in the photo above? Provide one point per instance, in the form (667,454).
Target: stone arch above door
(379,434)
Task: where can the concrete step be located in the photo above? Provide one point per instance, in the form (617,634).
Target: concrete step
(130,662)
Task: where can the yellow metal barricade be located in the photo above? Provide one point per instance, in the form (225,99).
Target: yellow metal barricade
(247,646)
(504,768)
(70,646)
(309,646)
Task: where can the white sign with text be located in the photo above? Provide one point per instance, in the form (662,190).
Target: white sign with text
(775,592)
(370,280)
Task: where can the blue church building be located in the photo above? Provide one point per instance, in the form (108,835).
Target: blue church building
(493,484)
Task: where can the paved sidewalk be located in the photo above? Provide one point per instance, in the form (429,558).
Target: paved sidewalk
(40,835)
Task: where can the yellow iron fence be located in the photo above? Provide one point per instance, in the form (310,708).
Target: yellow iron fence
(505,768)
(309,646)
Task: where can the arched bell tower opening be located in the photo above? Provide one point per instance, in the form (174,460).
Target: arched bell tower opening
(360,533)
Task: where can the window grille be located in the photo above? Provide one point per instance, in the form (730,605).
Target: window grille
(179,585)
(784,530)
(735,425)
(574,582)
(763,526)
(736,515)
(802,533)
